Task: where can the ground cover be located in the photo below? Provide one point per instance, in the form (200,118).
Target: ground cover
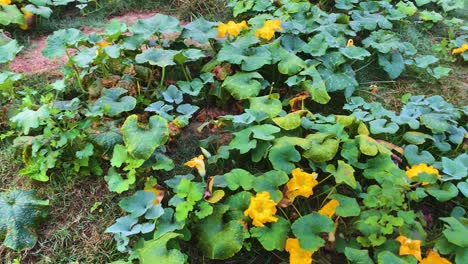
(277,113)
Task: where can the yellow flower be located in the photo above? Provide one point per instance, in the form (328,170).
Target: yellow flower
(197,162)
(297,255)
(268,30)
(301,184)
(415,170)
(461,49)
(434,258)
(232,28)
(350,43)
(261,209)
(410,247)
(329,208)
(103,44)
(159,194)
(5,2)
(28,19)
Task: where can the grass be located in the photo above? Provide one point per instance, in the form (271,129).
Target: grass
(71,233)
(74,234)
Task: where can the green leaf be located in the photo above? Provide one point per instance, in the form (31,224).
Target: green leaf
(316,88)
(192,191)
(270,181)
(440,71)
(291,64)
(157,24)
(86,152)
(142,140)
(8,51)
(356,256)
(413,156)
(344,173)
(239,53)
(158,57)
(116,183)
(138,203)
(217,239)
(308,230)
(243,85)
(28,119)
(42,11)
(115,28)
(112,103)
(348,206)
(317,46)
(269,104)
(60,41)
(10,14)
(389,257)
(283,155)
(21,214)
(463,187)
(274,237)
(425,60)
(393,64)
(456,232)
(173,95)
(290,121)
(239,178)
(322,147)
(379,126)
(415,137)
(431,16)
(456,169)
(238,203)
(407,8)
(200,30)
(355,53)
(156,249)
(446,191)
(345,4)
(125,226)
(119,156)
(437,122)
(367,145)
(188,55)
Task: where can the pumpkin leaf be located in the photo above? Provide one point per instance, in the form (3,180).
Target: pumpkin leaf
(141,141)
(217,239)
(21,214)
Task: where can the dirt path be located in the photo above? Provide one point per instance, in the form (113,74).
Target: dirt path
(31,61)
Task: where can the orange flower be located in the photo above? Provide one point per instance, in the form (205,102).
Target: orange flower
(5,2)
(297,255)
(301,184)
(28,16)
(434,258)
(350,43)
(197,162)
(261,209)
(461,49)
(103,44)
(232,28)
(415,170)
(410,247)
(329,208)
(159,194)
(268,30)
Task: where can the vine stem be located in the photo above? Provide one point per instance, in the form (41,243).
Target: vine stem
(163,76)
(77,75)
(184,71)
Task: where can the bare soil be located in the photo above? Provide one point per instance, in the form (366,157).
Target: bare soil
(30,61)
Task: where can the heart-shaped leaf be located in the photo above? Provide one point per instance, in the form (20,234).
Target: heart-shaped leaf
(157,249)
(217,239)
(308,230)
(243,85)
(112,103)
(21,214)
(142,140)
